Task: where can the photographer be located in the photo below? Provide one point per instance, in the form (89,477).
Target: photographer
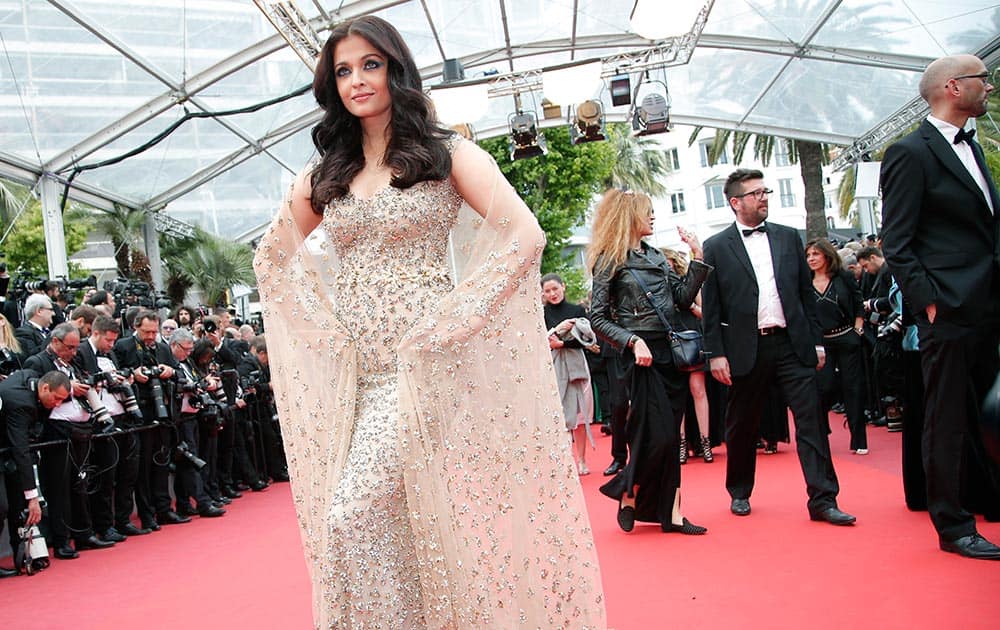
(151,364)
(25,402)
(117,458)
(193,398)
(255,375)
(236,471)
(32,335)
(63,469)
(212,418)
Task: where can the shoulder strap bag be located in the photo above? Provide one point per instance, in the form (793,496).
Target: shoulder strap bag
(686,346)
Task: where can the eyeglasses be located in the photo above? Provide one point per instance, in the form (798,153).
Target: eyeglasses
(982,76)
(170,328)
(758,194)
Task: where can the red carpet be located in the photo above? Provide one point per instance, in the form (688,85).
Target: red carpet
(773,569)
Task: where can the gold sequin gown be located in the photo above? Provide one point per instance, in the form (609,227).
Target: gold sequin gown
(432,480)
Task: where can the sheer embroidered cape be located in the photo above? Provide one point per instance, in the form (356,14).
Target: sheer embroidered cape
(497,512)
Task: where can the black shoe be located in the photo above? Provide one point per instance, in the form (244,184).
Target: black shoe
(837,408)
(210,512)
(171,518)
(605,429)
(231,492)
(132,530)
(770,448)
(280,477)
(626,517)
(740,507)
(614,468)
(687,528)
(880,422)
(972,546)
(151,525)
(113,535)
(241,486)
(92,542)
(894,427)
(224,500)
(65,552)
(259,485)
(186,510)
(8,572)
(833,516)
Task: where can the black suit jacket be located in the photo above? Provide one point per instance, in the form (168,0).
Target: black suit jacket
(85,360)
(41,362)
(729,297)
(21,409)
(939,237)
(127,354)
(31,339)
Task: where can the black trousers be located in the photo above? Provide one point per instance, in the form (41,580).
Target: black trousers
(914,480)
(188,482)
(657,395)
(208,450)
(234,458)
(152,487)
(959,366)
(62,473)
(265,442)
(618,392)
(845,356)
(117,462)
(777,362)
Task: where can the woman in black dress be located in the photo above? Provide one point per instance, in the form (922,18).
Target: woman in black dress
(838,307)
(648,488)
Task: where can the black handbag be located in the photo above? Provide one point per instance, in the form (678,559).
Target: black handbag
(686,346)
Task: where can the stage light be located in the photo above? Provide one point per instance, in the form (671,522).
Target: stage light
(588,125)
(657,20)
(651,116)
(621,90)
(525,139)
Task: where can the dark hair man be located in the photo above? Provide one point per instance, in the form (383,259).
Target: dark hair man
(940,239)
(118,456)
(152,364)
(761,326)
(260,406)
(25,402)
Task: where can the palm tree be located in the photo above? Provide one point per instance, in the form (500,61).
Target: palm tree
(638,164)
(124,227)
(810,156)
(215,265)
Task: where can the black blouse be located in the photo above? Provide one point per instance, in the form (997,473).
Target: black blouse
(840,304)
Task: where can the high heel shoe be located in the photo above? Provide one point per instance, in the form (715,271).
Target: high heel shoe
(687,528)
(684,450)
(626,517)
(583,470)
(706,449)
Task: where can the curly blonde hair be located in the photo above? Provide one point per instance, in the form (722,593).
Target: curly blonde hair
(678,260)
(7,338)
(619,216)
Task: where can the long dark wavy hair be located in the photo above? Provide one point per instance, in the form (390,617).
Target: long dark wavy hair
(416,152)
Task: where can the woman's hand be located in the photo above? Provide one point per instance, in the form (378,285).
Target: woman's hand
(643,357)
(691,240)
(563,327)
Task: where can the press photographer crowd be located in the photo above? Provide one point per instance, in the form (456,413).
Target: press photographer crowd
(116,420)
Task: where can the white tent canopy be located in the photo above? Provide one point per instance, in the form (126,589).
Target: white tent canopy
(84,81)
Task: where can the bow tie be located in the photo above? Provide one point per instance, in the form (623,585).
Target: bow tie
(964,135)
(760,228)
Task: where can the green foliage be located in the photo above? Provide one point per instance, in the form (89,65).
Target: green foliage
(214,265)
(558,187)
(25,245)
(638,164)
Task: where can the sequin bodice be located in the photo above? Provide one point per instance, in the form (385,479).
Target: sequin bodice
(394,263)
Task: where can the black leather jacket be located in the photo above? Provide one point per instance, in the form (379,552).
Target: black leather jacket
(620,309)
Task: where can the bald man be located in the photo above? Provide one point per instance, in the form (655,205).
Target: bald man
(940,240)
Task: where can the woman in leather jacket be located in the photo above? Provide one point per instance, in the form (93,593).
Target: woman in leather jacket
(648,488)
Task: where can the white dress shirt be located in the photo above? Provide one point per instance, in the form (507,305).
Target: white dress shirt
(769,311)
(964,152)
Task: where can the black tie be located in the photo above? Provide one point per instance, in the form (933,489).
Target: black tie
(964,135)
(760,228)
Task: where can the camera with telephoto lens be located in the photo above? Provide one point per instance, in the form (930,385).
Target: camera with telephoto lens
(153,373)
(9,363)
(183,451)
(124,391)
(32,553)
